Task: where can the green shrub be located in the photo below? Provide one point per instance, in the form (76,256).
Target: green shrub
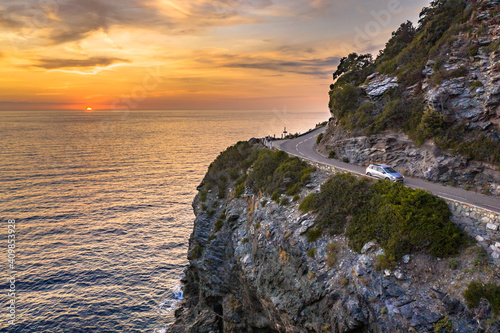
(241,179)
(475,84)
(277,172)
(385,262)
(203,196)
(319,138)
(431,125)
(332,154)
(361,118)
(294,189)
(237,158)
(311,253)
(480,148)
(314,234)
(239,190)
(440,75)
(444,325)
(218,225)
(306,204)
(400,39)
(264,202)
(392,114)
(345,159)
(275,197)
(245,240)
(234,173)
(332,250)
(196,252)
(495,46)
(405,220)
(489,291)
(337,200)
(344,100)
(472,50)
(296,198)
(480,258)
(402,220)
(284,201)
(211,212)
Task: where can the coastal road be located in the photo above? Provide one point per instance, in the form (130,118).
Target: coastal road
(304,146)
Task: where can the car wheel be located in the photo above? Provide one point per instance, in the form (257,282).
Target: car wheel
(368,174)
(387,178)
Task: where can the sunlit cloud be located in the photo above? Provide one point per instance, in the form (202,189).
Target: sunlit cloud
(72,63)
(212,53)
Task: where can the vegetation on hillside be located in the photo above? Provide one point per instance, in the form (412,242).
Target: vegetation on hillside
(249,166)
(402,220)
(489,291)
(405,56)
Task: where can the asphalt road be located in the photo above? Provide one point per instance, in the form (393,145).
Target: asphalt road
(304,146)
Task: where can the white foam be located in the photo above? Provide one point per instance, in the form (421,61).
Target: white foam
(172,302)
(161,329)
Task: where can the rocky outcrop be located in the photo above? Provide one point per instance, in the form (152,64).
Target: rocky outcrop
(461,82)
(397,150)
(379,85)
(257,272)
(473,94)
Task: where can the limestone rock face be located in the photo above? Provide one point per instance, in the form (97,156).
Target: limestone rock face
(396,149)
(256,274)
(379,84)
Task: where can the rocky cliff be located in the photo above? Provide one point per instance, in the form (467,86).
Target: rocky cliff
(430,103)
(260,264)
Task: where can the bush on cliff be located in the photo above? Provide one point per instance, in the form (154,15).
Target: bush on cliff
(402,220)
(237,159)
(277,172)
(260,169)
(489,291)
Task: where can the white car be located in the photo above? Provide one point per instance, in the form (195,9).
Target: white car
(383,171)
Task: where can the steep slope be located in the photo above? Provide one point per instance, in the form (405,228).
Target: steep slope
(259,264)
(430,103)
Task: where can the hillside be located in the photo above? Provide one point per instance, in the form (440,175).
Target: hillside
(279,246)
(429,104)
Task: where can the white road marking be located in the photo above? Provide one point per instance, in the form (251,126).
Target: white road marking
(451,195)
(441,194)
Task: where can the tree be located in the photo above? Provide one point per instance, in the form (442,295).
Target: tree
(400,39)
(353,62)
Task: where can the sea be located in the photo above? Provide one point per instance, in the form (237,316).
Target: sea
(95,211)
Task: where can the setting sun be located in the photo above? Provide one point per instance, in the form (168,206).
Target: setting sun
(89,109)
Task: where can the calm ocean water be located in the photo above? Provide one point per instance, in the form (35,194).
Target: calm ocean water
(102,204)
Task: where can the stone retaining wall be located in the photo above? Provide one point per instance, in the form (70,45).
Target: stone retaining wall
(480,223)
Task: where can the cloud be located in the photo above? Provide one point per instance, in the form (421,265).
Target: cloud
(65,21)
(76,63)
(315,67)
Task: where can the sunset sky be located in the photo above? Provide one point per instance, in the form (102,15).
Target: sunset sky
(159,54)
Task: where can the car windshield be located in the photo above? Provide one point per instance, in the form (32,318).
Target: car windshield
(390,170)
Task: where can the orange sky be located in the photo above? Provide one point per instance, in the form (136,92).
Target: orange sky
(159,54)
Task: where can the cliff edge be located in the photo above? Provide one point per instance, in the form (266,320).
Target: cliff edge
(279,246)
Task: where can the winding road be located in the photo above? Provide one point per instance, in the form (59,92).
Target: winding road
(304,146)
